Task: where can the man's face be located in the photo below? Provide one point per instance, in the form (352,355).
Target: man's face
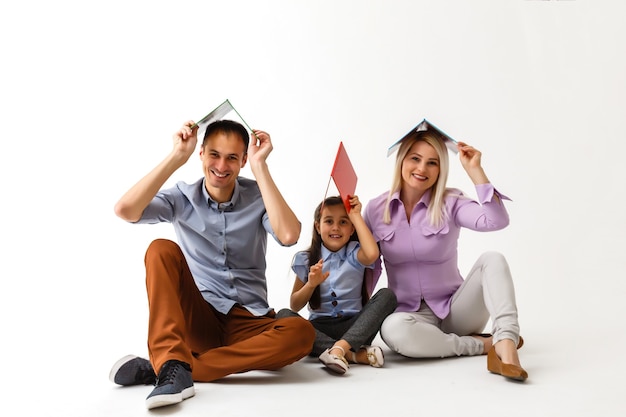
(223,155)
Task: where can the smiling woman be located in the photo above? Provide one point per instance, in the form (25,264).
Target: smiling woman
(420,169)
(417,224)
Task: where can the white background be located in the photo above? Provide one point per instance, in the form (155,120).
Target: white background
(91,93)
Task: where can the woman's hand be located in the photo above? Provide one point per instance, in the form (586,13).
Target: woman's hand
(470,158)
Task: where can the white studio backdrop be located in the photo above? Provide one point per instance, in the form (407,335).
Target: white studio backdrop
(93,91)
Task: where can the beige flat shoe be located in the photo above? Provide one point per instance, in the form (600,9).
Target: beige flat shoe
(335,363)
(374,356)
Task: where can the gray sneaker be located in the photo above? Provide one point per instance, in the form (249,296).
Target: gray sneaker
(132,370)
(173,385)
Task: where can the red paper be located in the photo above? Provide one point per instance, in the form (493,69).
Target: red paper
(344,176)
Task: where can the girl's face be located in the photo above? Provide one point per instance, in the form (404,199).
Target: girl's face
(420,167)
(334,227)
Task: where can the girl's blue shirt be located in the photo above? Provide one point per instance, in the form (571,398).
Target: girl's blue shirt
(341,291)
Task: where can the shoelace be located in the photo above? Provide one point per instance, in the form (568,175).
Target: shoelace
(168,375)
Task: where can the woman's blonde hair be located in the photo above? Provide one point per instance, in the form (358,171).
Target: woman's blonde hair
(436,209)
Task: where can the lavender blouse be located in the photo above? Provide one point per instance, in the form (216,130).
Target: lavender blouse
(420,259)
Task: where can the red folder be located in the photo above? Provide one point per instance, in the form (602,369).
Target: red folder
(344,176)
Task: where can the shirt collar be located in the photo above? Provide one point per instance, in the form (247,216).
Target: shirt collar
(425,200)
(228,205)
(326,253)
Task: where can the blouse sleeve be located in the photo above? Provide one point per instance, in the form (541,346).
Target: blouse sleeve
(300,266)
(486,214)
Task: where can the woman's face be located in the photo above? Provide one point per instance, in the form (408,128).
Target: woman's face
(420,167)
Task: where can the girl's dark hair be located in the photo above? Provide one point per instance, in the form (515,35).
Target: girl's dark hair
(227,126)
(315,250)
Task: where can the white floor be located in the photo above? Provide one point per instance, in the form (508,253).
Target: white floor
(582,379)
(91,92)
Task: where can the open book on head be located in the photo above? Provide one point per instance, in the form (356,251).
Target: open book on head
(423,126)
(218,114)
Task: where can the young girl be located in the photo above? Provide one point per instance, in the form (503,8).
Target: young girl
(329,277)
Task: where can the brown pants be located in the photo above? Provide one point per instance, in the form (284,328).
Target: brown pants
(184,326)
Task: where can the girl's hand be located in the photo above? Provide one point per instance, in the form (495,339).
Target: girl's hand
(316,276)
(355,205)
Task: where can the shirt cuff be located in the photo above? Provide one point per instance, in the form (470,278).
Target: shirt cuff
(486,192)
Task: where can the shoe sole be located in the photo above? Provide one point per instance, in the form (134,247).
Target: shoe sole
(117,365)
(335,368)
(169,399)
(326,359)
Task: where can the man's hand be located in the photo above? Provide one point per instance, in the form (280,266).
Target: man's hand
(185,141)
(260,146)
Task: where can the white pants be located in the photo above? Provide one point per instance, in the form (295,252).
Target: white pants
(486,292)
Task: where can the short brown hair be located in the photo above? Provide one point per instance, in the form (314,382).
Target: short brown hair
(227,126)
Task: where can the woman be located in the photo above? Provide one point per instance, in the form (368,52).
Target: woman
(417,225)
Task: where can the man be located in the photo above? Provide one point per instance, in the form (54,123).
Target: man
(209,314)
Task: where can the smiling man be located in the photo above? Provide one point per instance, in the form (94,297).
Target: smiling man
(207,293)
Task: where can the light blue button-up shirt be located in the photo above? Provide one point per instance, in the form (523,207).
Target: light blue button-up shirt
(340,293)
(223,243)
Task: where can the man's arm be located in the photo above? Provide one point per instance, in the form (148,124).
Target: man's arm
(132,204)
(284,222)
